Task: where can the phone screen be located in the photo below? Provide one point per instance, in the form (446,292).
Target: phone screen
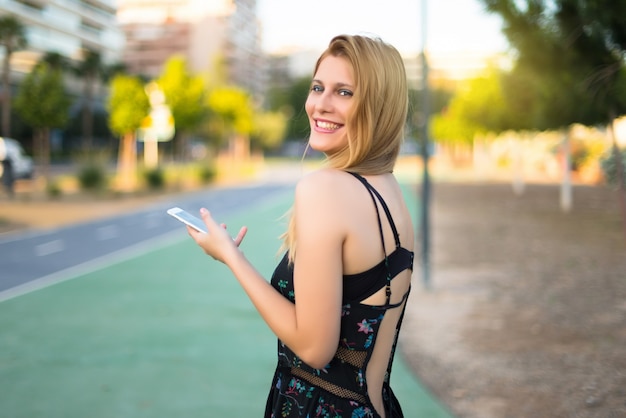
(188,219)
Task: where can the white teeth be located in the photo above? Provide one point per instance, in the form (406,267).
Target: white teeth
(327,125)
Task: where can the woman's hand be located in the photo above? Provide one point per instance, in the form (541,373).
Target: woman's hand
(217,242)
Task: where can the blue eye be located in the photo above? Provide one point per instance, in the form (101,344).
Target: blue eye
(344,92)
(317,88)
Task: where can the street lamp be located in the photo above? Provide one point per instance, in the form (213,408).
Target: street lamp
(425,149)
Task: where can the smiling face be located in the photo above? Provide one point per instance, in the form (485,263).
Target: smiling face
(329,104)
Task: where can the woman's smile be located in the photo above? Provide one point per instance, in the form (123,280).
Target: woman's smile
(326,126)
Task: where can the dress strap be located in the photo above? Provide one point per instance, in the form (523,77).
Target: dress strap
(373,196)
(376,196)
(372,190)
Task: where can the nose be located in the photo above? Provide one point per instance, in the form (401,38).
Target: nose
(324,102)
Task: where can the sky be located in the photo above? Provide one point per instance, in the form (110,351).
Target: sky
(452,25)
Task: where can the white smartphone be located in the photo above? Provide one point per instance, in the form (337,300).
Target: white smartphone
(188,219)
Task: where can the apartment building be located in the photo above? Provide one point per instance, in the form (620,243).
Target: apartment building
(219,38)
(288,65)
(291,64)
(67,27)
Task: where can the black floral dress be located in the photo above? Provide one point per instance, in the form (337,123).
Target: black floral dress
(340,388)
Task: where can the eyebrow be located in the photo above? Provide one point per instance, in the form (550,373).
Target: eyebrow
(337,85)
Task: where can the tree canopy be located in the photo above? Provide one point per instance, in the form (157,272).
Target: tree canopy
(477,108)
(128,104)
(269,129)
(234,106)
(91,69)
(43,103)
(569,59)
(184,94)
(290,101)
(41,100)
(12,38)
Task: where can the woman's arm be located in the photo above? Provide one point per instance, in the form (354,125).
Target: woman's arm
(310,328)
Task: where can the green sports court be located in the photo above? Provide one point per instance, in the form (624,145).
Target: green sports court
(165,332)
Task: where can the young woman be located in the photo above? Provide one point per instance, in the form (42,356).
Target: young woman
(337,298)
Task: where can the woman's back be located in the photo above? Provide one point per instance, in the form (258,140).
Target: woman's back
(363,249)
(377,260)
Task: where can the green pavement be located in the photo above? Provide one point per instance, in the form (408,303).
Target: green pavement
(166,333)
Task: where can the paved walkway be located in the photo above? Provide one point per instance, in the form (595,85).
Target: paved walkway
(168,333)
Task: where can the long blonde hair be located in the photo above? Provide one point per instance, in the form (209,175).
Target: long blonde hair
(375,128)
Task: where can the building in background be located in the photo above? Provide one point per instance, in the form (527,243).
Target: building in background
(445,69)
(69,28)
(65,27)
(286,66)
(218,38)
(289,65)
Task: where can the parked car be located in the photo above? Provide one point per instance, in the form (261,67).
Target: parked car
(22,164)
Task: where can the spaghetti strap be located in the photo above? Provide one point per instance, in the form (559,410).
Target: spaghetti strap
(376,196)
(373,191)
(373,196)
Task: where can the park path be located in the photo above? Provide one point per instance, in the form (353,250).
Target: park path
(166,333)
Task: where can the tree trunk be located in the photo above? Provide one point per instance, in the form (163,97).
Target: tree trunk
(87,114)
(37,147)
(127,162)
(6,94)
(481,159)
(240,148)
(41,145)
(181,146)
(150,153)
(619,168)
(45,151)
(566,182)
(518,184)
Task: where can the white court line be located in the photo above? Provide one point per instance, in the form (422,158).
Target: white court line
(118,256)
(50,247)
(99,263)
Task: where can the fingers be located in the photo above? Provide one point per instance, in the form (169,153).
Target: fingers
(240,236)
(195,234)
(214,228)
(207,218)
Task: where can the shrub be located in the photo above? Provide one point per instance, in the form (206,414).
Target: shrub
(53,189)
(92,178)
(586,152)
(207,173)
(609,167)
(155,178)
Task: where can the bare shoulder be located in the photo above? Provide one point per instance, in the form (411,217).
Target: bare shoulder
(321,184)
(322,198)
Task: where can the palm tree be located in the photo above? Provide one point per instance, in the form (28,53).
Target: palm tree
(110,71)
(55,61)
(12,38)
(90,69)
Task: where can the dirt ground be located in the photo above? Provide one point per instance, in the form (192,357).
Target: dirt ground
(526,313)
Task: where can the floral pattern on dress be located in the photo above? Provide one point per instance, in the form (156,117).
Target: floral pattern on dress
(295,397)
(301,399)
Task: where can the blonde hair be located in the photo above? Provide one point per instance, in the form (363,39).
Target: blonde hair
(375,128)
